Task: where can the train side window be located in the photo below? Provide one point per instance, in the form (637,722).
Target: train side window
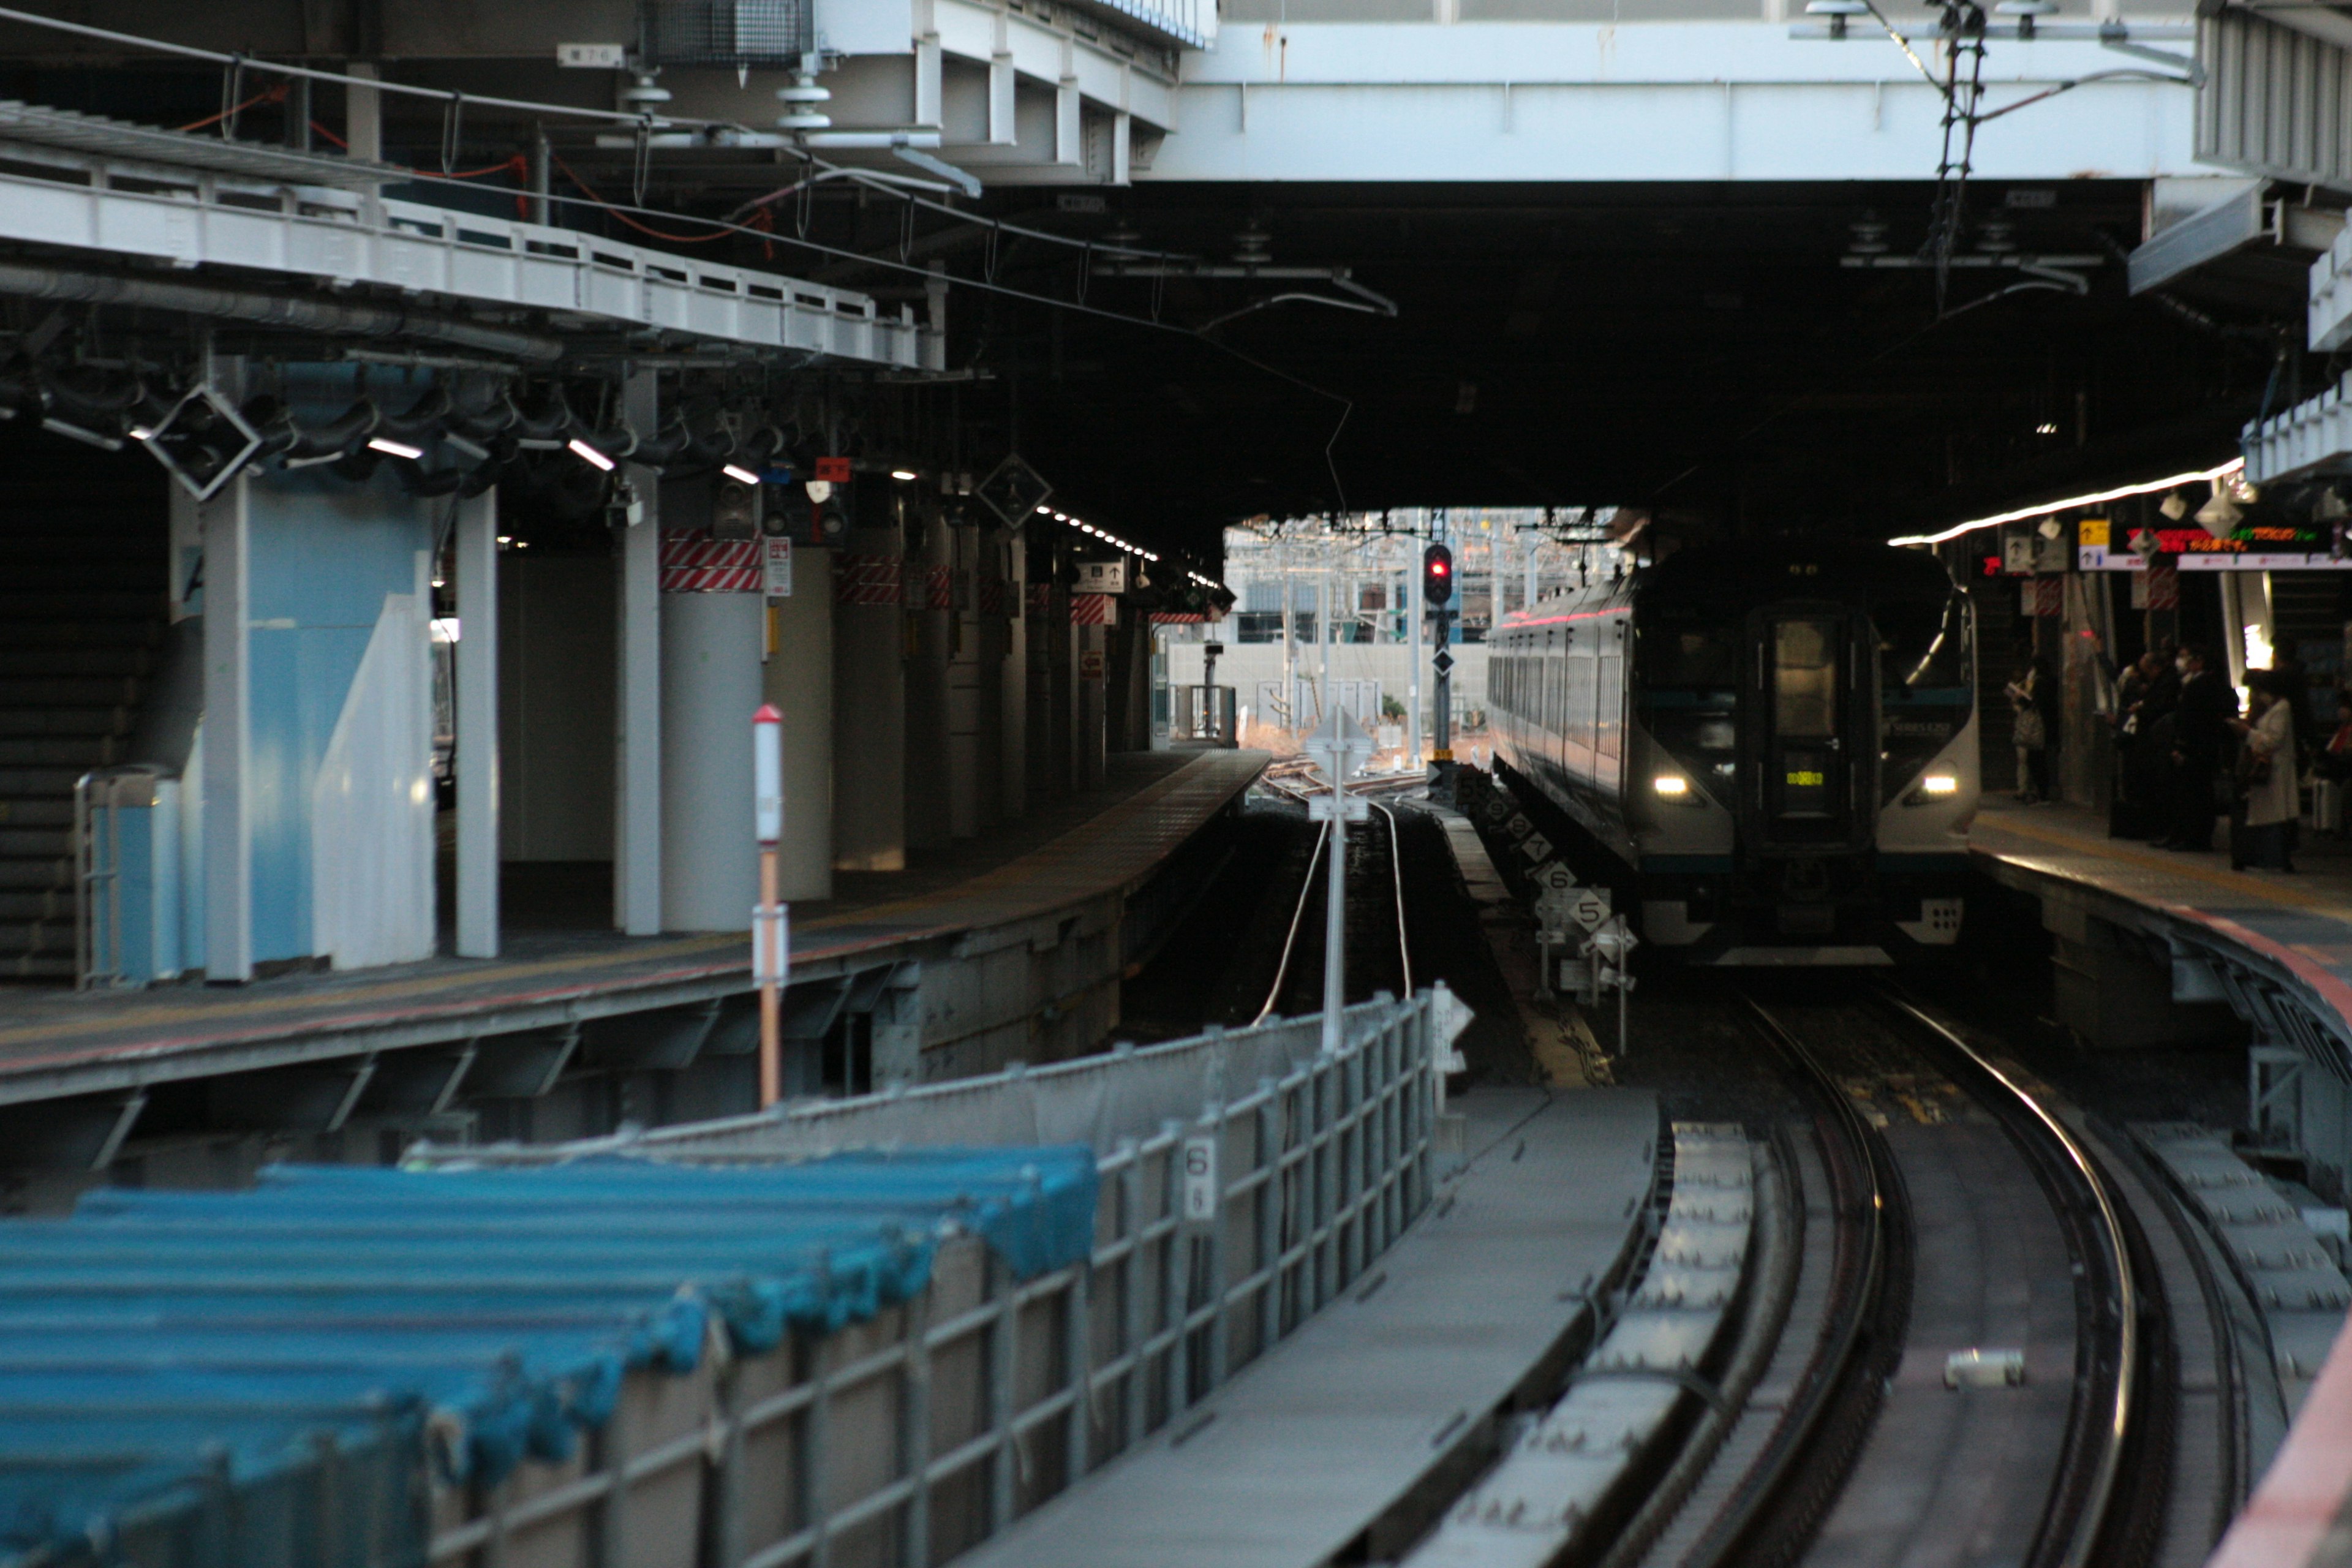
(1611,698)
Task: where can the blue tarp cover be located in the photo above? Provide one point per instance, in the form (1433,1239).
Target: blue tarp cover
(154,1344)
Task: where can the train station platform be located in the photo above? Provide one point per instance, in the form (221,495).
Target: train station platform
(2157,947)
(1312,1446)
(1005,948)
(2296,924)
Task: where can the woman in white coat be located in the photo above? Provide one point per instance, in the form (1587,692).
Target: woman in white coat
(2267,773)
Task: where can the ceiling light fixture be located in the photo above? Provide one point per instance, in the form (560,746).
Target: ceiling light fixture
(391,448)
(740,474)
(2203,476)
(586,453)
(902,475)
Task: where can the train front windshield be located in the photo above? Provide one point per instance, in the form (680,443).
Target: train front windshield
(1927,679)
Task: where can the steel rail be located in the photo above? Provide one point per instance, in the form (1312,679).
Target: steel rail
(1290,943)
(1396,865)
(1307,893)
(2116,1422)
(1867,1207)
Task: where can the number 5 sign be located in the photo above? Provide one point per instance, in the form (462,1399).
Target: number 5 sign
(1199,1179)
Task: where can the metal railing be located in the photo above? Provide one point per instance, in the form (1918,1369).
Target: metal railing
(99,799)
(1223,1220)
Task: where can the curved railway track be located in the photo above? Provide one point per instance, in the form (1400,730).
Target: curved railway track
(1861,1421)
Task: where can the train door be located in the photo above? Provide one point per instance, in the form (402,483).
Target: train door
(1809,730)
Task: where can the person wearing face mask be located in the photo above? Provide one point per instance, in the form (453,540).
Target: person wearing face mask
(2200,721)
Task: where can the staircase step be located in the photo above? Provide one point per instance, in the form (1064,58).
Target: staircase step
(41,658)
(45,904)
(116,632)
(80,605)
(42,843)
(18,783)
(79,752)
(67,690)
(25,722)
(34,875)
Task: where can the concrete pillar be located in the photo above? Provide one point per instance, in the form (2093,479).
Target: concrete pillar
(1013,678)
(971,789)
(1048,705)
(476,657)
(984,625)
(799,681)
(637,756)
(225,522)
(869,704)
(937,777)
(710,686)
(364,114)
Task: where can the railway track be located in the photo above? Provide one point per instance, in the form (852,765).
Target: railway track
(1961,1200)
(1378,948)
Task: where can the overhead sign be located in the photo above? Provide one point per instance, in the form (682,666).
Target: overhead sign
(2268,546)
(833,471)
(590,57)
(1102,576)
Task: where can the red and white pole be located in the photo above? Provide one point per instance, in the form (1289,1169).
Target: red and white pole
(771,942)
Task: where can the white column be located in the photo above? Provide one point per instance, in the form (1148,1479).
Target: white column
(363,115)
(637,762)
(477,726)
(225,522)
(799,681)
(712,683)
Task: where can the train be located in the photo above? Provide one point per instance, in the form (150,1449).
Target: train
(1767,750)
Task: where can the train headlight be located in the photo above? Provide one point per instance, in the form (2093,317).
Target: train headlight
(1934,788)
(1674,788)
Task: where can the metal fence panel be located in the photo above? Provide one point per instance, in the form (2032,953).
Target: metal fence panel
(1244,1178)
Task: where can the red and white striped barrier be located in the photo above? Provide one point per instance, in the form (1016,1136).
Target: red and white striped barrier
(1094,609)
(868,580)
(698,564)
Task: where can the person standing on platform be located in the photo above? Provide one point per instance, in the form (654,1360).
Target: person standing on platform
(2139,809)
(2200,728)
(2029,695)
(2266,773)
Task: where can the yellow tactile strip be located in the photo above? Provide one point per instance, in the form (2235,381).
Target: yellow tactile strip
(2254,888)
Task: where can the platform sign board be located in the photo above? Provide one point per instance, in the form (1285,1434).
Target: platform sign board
(2269,545)
(1102,577)
(776,568)
(1090,665)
